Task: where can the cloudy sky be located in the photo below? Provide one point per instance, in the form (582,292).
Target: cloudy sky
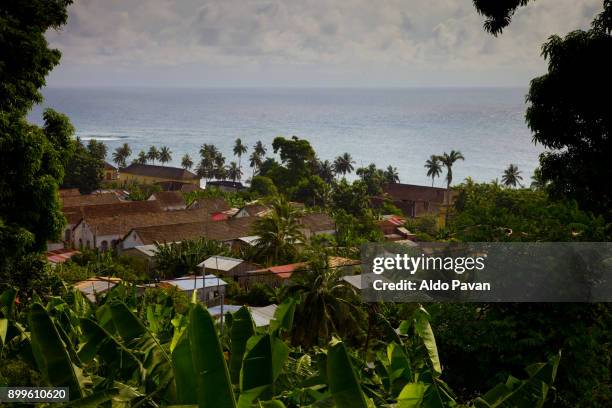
(304,42)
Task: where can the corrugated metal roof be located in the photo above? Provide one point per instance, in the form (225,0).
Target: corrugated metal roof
(221,263)
(187,282)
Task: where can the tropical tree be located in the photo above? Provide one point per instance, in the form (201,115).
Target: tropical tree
(325,170)
(512,176)
(219,171)
(327,305)
(153,154)
(434,167)
(97,149)
(391,175)
(448,160)
(260,149)
(344,164)
(279,233)
(141,158)
(121,154)
(186,162)
(165,155)
(255,161)
(206,168)
(233,172)
(239,150)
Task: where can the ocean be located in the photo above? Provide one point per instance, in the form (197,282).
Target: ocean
(398,127)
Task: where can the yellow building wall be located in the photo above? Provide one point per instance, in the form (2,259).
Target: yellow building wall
(126,178)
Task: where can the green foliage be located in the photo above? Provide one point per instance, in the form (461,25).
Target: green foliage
(262,186)
(312,191)
(177,259)
(235,200)
(141,192)
(498,13)
(487,212)
(568,113)
(85,166)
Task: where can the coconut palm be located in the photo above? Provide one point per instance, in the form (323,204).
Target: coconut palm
(121,154)
(165,155)
(186,162)
(219,171)
(327,304)
(239,150)
(512,176)
(233,172)
(255,161)
(325,170)
(448,160)
(344,164)
(206,168)
(260,149)
(142,158)
(153,154)
(434,167)
(391,175)
(279,233)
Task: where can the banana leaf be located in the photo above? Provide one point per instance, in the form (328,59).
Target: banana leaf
(343,383)
(283,317)
(241,330)
(424,331)
(214,389)
(263,362)
(51,354)
(184,374)
(528,393)
(411,395)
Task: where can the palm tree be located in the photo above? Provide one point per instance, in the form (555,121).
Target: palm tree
(142,158)
(391,175)
(512,176)
(448,159)
(121,154)
(234,172)
(153,154)
(279,233)
(255,161)
(344,164)
(186,162)
(206,168)
(219,171)
(165,155)
(327,304)
(434,167)
(326,171)
(260,149)
(239,150)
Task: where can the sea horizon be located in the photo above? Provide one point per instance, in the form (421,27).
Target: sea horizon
(400,127)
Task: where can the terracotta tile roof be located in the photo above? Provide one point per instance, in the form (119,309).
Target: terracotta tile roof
(169,199)
(281,271)
(69,192)
(75,214)
(89,199)
(148,170)
(410,192)
(123,223)
(211,204)
(317,222)
(255,210)
(215,230)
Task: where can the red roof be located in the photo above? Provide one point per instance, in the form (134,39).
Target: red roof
(60,255)
(219,216)
(282,271)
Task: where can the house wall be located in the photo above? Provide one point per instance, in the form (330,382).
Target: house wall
(135,178)
(131,240)
(84,237)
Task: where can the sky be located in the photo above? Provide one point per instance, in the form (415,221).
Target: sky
(304,43)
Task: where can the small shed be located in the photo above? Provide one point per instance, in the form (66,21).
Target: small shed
(226,266)
(210,289)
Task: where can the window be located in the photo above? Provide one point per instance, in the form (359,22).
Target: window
(104,245)
(88,245)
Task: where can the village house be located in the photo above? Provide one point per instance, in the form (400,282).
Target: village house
(226,266)
(169,200)
(150,174)
(110,173)
(222,231)
(75,214)
(210,290)
(317,224)
(392,227)
(96,286)
(105,232)
(414,201)
(226,185)
(214,205)
(253,210)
